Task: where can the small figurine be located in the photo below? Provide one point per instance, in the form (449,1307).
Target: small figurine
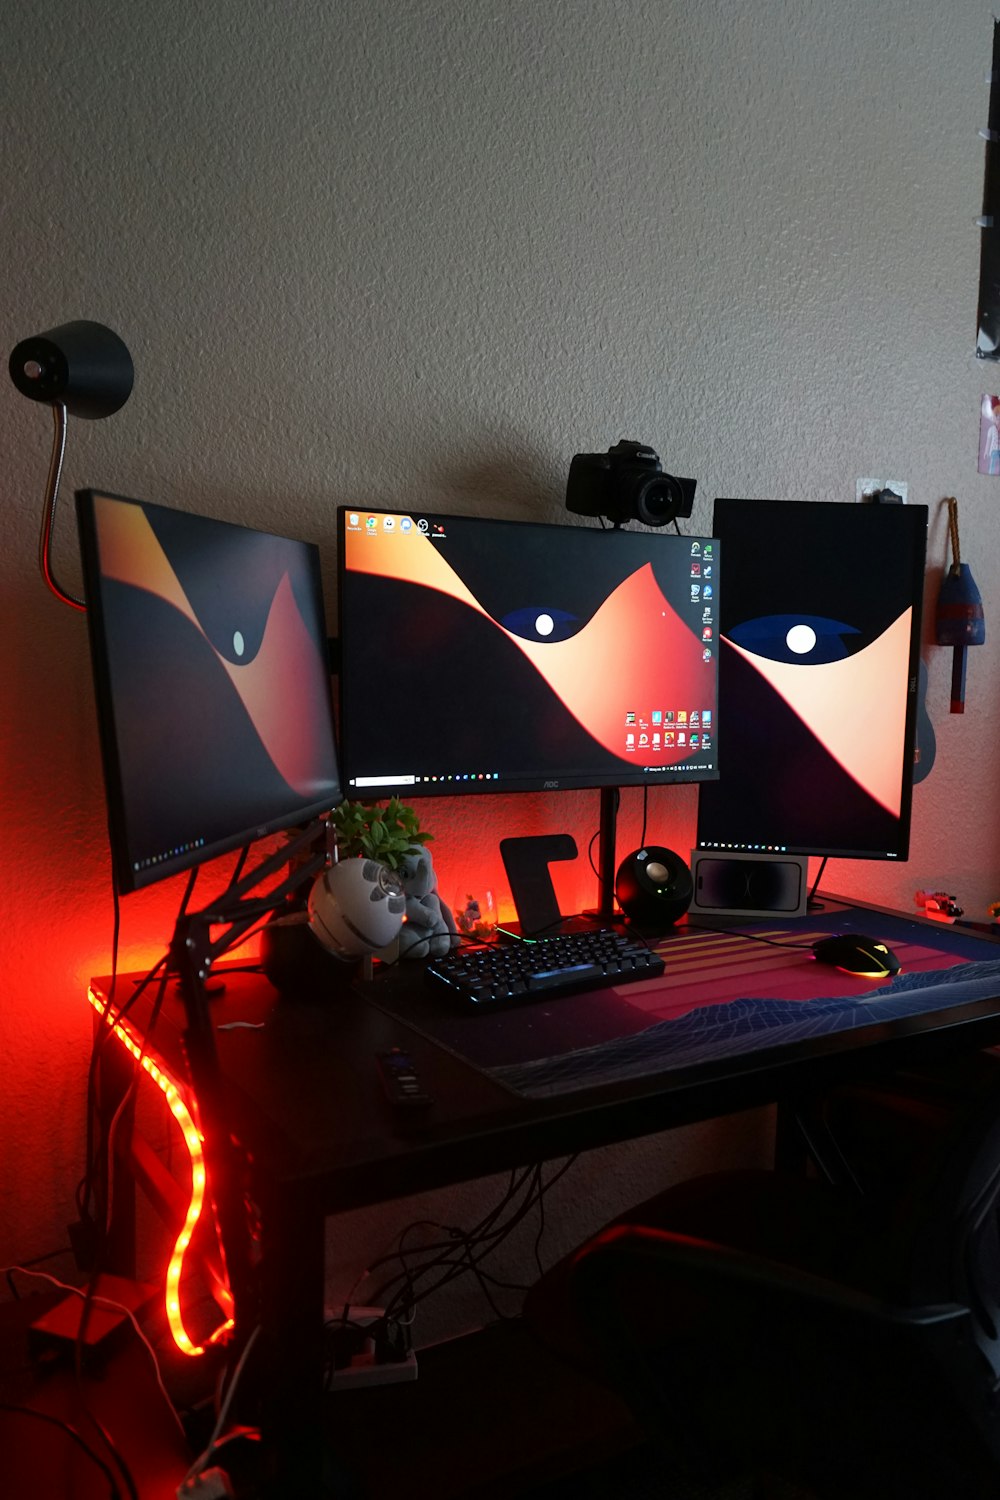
(938,905)
(428,927)
(473,921)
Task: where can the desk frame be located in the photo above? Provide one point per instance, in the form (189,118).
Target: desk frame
(305,1102)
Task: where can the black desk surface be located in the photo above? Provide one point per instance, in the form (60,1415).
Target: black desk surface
(304,1096)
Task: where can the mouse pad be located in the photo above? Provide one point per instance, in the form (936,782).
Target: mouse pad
(723,993)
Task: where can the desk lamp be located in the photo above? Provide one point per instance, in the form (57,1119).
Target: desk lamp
(81,368)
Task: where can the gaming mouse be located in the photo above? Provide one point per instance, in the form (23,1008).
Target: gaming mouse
(857,954)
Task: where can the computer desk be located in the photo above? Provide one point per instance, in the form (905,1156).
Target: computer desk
(304,1098)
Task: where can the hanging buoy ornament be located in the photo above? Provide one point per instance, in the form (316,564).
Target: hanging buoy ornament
(959,620)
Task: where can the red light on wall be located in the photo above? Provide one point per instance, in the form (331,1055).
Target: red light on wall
(193,1141)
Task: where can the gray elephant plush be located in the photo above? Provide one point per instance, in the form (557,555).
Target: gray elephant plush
(429,929)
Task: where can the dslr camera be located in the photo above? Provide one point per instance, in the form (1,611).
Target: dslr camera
(627,484)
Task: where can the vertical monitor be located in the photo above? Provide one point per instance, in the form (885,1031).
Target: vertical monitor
(481,655)
(818,678)
(209,650)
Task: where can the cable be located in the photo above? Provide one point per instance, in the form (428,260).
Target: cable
(81,1442)
(117,1307)
(204,1458)
(35,1261)
(462,1250)
(750,937)
(116,1454)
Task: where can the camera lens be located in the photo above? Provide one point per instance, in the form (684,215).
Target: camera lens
(657,500)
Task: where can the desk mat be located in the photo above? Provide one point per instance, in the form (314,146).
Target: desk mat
(723,994)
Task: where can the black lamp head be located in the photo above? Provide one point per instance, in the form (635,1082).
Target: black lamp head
(82,366)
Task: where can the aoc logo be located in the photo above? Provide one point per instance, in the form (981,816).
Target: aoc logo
(550,786)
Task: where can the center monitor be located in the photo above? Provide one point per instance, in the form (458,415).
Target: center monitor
(485,655)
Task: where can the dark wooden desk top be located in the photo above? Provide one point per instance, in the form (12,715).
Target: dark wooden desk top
(304,1096)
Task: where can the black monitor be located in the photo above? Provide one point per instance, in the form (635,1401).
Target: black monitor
(209,650)
(818,678)
(485,655)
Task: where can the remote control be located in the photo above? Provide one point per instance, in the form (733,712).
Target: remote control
(401,1081)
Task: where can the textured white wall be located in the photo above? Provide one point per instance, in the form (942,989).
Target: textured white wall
(367,251)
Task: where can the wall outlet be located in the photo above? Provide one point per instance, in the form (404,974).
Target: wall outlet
(865,490)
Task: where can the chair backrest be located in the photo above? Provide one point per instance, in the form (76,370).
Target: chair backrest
(923,1148)
(736,1360)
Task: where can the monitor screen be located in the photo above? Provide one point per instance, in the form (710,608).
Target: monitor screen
(818,674)
(496,656)
(209,650)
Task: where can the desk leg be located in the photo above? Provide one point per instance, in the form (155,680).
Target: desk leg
(113,1076)
(293,1276)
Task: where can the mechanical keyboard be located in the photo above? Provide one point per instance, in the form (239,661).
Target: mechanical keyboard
(523,970)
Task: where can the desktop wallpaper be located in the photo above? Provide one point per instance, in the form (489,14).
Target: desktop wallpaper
(213,690)
(820,635)
(526,654)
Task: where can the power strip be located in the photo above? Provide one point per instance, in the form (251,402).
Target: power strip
(364,1369)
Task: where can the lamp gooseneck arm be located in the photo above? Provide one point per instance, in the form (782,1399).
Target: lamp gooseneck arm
(49,509)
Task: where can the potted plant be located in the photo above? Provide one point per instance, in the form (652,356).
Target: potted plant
(388,833)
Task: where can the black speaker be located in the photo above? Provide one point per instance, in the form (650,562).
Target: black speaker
(654,888)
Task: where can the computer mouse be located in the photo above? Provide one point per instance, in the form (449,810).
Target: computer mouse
(857,954)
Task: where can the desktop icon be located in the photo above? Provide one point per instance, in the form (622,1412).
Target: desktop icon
(405,524)
(389,523)
(422,525)
(371,523)
(657,716)
(353,518)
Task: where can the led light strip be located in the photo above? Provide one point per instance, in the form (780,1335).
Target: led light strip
(193,1141)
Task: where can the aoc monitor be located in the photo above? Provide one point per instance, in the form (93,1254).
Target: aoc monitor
(818,678)
(495,656)
(209,649)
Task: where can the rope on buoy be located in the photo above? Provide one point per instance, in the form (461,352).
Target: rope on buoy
(956,551)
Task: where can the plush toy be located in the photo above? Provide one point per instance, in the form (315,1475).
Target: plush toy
(429,927)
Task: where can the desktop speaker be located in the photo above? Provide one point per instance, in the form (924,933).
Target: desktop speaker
(654,888)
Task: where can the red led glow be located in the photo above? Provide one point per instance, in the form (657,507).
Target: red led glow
(193,1140)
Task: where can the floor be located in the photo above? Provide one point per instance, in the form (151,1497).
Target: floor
(490,1417)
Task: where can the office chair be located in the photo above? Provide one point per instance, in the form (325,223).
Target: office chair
(803,1332)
